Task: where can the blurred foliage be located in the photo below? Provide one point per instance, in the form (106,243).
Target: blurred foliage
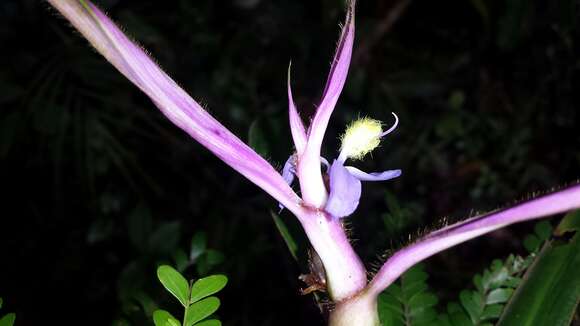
(6,319)
(410,300)
(485,90)
(137,293)
(550,292)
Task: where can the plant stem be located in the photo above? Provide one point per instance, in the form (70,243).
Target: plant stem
(360,310)
(345,273)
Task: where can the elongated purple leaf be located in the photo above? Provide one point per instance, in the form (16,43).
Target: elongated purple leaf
(311,182)
(554,203)
(179,107)
(334,83)
(296,124)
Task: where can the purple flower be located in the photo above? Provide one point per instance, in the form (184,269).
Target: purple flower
(319,210)
(345,181)
(360,138)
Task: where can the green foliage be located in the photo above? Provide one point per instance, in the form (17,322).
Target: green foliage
(550,290)
(80,146)
(493,288)
(152,241)
(288,239)
(137,300)
(399,218)
(203,258)
(542,232)
(175,283)
(164,318)
(207,286)
(8,319)
(409,301)
(200,310)
(257,139)
(194,298)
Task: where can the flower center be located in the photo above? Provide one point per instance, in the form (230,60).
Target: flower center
(360,138)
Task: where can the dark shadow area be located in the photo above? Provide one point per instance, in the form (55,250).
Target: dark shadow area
(98,187)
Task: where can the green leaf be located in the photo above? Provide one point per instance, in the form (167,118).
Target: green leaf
(214,257)
(392,203)
(8,320)
(140,225)
(180,258)
(513,282)
(421,301)
(415,274)
(257,139)
(1,302)
(387,301)
(491,312)
(570,223)
(201,310)
(498,276)
(543,230)
(198,246)
(165,238)
(423,316)
(395,291)
(485,279)
(478,282)
(390,310)
(121,322)
(288,239)
(472,308)
(414,289)
(453,307)
(210,259)
(456,99)
(207,286)
(174,282)
(549,292)
(211,322)
(500,295)
(409,302)
(460,319)
(164,318)
(443,320)
(146,302)
(531,243)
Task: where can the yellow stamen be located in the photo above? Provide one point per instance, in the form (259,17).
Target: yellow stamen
(360,138)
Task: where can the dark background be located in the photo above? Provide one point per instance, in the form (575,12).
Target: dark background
(98,187)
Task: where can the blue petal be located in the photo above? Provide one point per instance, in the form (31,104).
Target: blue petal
(373,176)
(289,169)
(288,172)
(345,191)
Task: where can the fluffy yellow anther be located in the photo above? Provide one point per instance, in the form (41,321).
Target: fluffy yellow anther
(361,137)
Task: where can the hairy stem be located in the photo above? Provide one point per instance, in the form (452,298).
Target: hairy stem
(360,310)
(345,273)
